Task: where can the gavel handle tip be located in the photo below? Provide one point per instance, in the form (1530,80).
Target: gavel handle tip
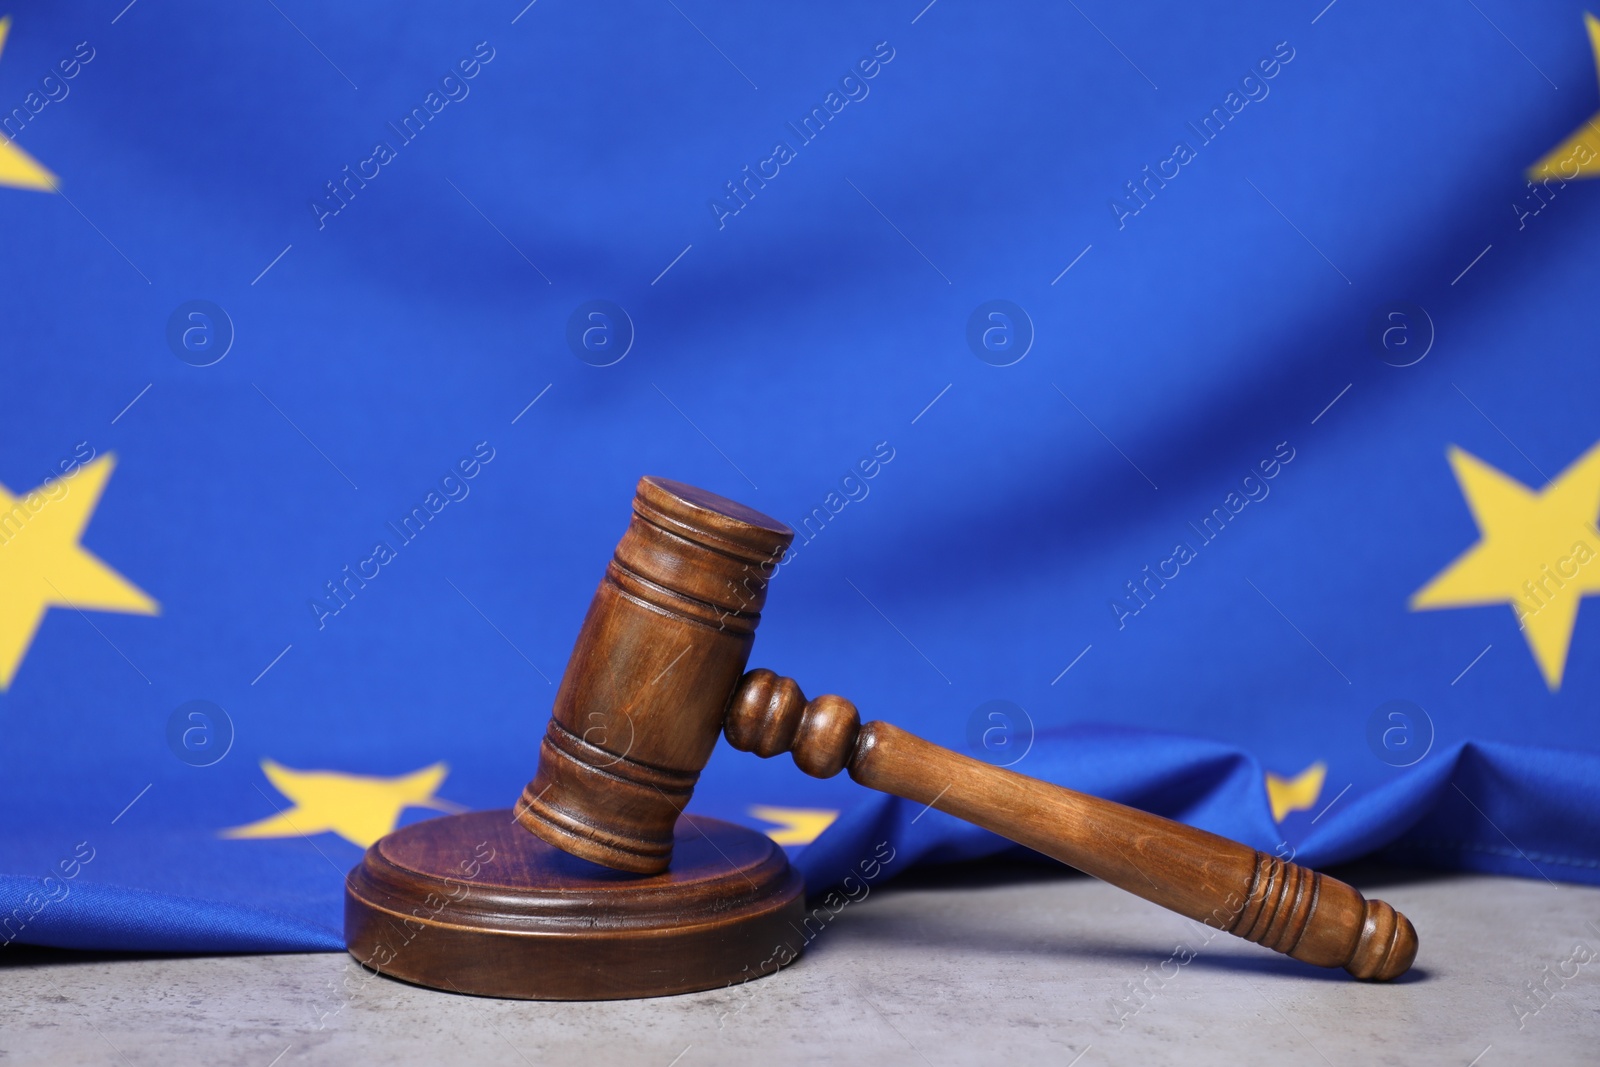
(1387,946)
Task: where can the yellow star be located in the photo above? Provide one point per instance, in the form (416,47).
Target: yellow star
(1295,794)
(16,166)
(359,808)
(42,565)
(1579,155)
(796,826)
(1533,552)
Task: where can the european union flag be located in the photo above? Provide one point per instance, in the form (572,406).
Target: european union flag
(1191,406)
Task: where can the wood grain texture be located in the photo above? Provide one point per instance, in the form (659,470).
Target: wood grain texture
(474,904)
(640,706)
(655,675)
(1209,878)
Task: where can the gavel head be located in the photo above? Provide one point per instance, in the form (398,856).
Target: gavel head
(661,651)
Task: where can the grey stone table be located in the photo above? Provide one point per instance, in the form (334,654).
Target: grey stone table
(965,966)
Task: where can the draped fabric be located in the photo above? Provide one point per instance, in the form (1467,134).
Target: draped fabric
(1193,407)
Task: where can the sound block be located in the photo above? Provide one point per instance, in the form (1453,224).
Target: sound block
(476,904)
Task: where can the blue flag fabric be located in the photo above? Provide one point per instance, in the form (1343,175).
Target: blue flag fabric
(1191,407)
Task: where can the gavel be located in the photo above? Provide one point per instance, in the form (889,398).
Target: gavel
(658,672)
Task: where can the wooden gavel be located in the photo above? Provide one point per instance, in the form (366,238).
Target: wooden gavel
(658,672)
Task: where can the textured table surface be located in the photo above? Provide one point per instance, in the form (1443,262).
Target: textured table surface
(1014,966)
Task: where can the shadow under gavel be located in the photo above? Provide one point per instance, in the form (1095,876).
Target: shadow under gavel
(658,672)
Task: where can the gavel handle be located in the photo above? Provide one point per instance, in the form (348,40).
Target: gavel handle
(1227,885)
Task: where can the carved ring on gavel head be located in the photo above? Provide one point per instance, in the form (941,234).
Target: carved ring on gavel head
(658,672)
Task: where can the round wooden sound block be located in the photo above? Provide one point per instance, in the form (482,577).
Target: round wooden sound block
(476,904)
